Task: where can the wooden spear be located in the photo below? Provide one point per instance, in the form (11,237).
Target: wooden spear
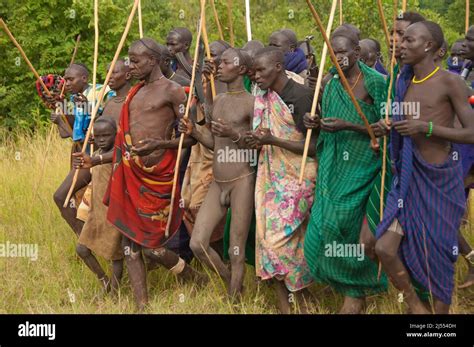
(208,52)
(231,25)
(374,143)
(96,54)
(248,22)
(467,14)
(186,115)
(140,23)
(384,23)
(50,135)
(102,93)
(341,16)
(218,23)
(388,107)
(317,90)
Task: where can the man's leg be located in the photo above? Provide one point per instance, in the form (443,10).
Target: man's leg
(136,272)
(117,271)
(175,264)
(367,239)
(69,212)
(242,205)
(91,261)
(466,251)
(209,216)
(440,307)
(386,249)
(283,296)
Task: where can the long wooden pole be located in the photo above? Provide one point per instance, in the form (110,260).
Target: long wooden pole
(22,52)
(384,23)
(218,23)
(186,115)
(317,91)
(374,143)
(140,23)
(231,25)
(51,132)
(96,54)
(102,93)
(388,107)
(468,8)
(341,16)
(205,38)
(248,21)
(404,6)
(387,112)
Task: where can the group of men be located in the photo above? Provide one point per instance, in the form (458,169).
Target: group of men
(239,198)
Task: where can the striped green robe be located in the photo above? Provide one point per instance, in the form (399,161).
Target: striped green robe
(347,172)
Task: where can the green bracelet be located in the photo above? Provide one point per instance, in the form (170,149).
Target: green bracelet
(430,129)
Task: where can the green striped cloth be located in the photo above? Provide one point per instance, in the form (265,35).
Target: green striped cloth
(347,172)
(373,207)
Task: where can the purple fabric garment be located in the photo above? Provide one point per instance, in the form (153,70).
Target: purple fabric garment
(380,68)
(455,67)
(428,201)
(296,61)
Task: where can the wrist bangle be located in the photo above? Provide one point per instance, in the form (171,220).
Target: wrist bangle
(238,139)
(430,129)
(100,157)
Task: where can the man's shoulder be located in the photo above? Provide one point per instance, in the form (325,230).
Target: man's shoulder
(299,91)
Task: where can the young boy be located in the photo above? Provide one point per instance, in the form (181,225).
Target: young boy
(98,235)
(234,181)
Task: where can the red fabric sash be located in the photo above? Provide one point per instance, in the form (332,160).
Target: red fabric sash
(139,197)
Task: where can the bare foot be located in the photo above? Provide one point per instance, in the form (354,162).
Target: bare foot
(353,305)
(190,275)
(283,299)
(419,309)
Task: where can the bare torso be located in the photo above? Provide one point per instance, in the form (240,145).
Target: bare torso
(152,115)
(435,106)
(237,110)
(113,108)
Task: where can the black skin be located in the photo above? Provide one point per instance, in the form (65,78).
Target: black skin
(76,82)
(104,140)
(282,42)
(368,54)
(231,116)
(440,97)
(468,44)
(347,56)
(176,44)
(152,112)
(120,83)
(270,74)
(210,67)
(397,35)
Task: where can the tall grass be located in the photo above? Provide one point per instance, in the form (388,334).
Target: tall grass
(58,282)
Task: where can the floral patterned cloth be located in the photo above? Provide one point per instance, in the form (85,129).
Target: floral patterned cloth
(282,205)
